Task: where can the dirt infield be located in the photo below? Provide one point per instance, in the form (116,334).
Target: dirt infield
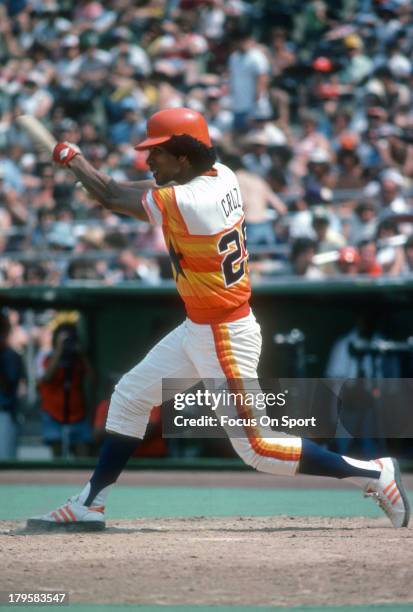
(249,561)
(282,561)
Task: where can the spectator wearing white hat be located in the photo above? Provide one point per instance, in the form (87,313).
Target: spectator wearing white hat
(67,65)
(256,159)
(391,192)
(319,178)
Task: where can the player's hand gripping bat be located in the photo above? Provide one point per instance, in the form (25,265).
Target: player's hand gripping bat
(43,140)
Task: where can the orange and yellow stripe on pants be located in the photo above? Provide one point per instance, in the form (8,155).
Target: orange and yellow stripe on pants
(263,447)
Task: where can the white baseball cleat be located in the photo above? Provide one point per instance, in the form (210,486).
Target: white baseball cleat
(388,492)
(72,516)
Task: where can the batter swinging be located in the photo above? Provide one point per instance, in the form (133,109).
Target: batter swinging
(198,203)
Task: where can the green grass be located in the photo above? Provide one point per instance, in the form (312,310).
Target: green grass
(17,502)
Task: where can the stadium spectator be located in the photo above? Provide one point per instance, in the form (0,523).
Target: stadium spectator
(391,193)
(257,197)
(61,375)
(301,259)
(134,268)
(326,238)
(318,181)
(256,157)
(344,364)
(368,263)
(34,98)
(248,77)
(305,143)
(270,126)
(358,65)
(389,93)
(363,222)
(11,375)
(339,129)
(406,268)
(293,88)
(389,254)
(219,119)
(281,53)
(350,173)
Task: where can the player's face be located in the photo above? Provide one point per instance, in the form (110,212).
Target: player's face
(164,166)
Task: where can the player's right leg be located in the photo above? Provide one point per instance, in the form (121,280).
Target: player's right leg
(380,479)
(131,403)
(231,352)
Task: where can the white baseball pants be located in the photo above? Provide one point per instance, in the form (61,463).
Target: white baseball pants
(193,351)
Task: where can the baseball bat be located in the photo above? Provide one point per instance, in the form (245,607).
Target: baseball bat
(43,140)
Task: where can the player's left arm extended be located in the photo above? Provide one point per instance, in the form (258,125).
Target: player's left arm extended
(120,197)
(123,197)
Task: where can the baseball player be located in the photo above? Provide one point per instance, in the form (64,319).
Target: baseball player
(198,203)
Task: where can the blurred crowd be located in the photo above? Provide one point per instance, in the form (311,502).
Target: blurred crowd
(49,392)
(309,102)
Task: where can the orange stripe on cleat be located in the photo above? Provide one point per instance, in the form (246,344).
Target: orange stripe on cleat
(56,517)
(392,492)
(70,513)
(396,499)
(97,509)
(63,515)
(389,486)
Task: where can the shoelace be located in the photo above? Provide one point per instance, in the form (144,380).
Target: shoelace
(381,500)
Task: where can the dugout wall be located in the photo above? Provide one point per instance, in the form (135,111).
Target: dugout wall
(122,323)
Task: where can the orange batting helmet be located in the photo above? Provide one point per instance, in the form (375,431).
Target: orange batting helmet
(175,122)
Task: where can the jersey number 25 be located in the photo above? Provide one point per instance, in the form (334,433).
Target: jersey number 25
(233,264)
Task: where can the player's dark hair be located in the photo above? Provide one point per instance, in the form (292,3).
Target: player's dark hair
(201,157)
(232,160)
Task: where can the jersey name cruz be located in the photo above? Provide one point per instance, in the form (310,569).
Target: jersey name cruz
(204,230)
(231,202)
